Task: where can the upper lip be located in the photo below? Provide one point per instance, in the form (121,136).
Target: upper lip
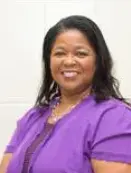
(69,71)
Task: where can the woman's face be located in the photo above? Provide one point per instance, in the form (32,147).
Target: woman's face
(72,61)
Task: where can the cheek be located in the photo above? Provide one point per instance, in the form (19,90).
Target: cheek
(54,66)
(53,63)
(89,67)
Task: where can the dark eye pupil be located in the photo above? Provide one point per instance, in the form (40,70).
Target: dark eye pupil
(59,53)
(81,53)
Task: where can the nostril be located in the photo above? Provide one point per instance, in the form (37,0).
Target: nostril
(70,62)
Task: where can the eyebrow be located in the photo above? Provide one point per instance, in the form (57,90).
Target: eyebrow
(59,47)
(77,47)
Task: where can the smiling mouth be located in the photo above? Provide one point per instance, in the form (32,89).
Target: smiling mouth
(70,74)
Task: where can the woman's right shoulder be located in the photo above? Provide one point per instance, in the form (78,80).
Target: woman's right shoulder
(31,115)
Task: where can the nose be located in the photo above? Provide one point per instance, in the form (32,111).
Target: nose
(69,61)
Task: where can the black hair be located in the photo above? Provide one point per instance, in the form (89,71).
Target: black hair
(104,85)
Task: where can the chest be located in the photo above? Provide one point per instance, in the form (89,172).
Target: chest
(64,148)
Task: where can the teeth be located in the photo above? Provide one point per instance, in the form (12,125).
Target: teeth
(70,74)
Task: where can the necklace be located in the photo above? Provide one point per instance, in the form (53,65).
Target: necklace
(55,117)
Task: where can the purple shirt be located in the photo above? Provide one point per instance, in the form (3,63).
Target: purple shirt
(31,149)
(101,131)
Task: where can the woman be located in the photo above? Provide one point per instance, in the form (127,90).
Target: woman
(80,123)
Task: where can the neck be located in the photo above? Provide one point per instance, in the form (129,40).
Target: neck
(72,98)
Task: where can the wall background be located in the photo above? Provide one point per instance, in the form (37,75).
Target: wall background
(23,24)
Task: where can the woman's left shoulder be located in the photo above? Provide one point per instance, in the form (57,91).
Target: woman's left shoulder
(115,106)
(114,114)
(110,112)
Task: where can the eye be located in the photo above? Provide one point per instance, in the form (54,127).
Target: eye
(82,54)
(59,54)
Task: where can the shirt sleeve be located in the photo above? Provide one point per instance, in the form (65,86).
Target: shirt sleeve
(112,139)
(19,131)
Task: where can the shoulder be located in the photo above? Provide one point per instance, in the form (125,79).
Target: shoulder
(116,113)
(112,115)
(111,107)
(31,115)
(115,108)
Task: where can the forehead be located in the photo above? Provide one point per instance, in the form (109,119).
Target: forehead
(71,38)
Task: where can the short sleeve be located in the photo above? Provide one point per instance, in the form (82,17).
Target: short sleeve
(112,141)
(18,135)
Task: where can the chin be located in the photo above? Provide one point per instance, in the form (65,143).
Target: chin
(71,89)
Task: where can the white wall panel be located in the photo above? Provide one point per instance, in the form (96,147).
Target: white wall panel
(20,55)
(114,19)
(55,10)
